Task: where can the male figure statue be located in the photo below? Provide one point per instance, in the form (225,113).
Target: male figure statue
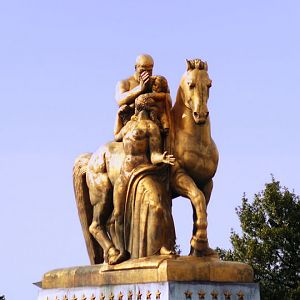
(129,89)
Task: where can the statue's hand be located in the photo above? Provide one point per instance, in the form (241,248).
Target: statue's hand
(122,109)
(168,158)
(144,80)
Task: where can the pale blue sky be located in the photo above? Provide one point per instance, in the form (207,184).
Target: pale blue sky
(59,63)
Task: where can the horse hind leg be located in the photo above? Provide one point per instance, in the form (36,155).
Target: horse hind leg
(100,192)
(98,231)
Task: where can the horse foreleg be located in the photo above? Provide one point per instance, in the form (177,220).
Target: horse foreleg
(185,186)
(207,189)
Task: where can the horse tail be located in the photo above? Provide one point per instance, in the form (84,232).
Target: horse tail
(84,206)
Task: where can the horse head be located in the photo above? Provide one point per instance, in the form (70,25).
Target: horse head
(195,86)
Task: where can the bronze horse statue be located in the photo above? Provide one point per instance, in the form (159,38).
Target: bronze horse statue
(196,153)
(196,163)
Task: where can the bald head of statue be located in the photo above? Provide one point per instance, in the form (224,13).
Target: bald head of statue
(144,63)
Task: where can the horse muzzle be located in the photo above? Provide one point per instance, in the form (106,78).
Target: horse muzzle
(200,118)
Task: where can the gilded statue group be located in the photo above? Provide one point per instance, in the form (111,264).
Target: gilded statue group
(124,190)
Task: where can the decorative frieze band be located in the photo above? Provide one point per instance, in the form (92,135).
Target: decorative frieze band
(111,296)
(214,295)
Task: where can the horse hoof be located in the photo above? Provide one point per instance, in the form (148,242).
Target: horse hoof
(164,251)
(208,252)
(112,255)
(199,244)
(119,258)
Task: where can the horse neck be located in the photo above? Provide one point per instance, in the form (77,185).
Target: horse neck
(183,122)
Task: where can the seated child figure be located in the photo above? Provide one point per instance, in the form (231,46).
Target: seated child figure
(158,98)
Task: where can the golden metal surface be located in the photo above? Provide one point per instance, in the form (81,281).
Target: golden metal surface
(102,297)
(111,296)
(148,295)
(201,294)
(227,295)
(157,295)
(188,294)
(139,295)
(240,295)
(120,296)
(130,295)
(115,197)
(150,269)
(214,294)
(124,190)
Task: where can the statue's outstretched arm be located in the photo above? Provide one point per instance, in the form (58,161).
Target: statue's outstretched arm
(155,144)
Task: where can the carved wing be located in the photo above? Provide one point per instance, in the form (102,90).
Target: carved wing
(85,209)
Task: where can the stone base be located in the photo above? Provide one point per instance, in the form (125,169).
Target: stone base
(162,290)
(157,277)
(150,269)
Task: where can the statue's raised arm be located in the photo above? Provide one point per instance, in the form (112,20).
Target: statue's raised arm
(127,90)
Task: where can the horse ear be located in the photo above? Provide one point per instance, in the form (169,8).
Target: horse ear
(205,66)
(189,65)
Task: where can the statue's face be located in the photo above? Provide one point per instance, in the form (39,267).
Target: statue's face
(157,85)
(144,64)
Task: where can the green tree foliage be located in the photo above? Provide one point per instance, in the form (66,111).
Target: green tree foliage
(270,241)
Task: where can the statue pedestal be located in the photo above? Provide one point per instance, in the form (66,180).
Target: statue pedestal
(157,277)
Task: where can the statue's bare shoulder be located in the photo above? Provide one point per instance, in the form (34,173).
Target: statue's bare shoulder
(126,85)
